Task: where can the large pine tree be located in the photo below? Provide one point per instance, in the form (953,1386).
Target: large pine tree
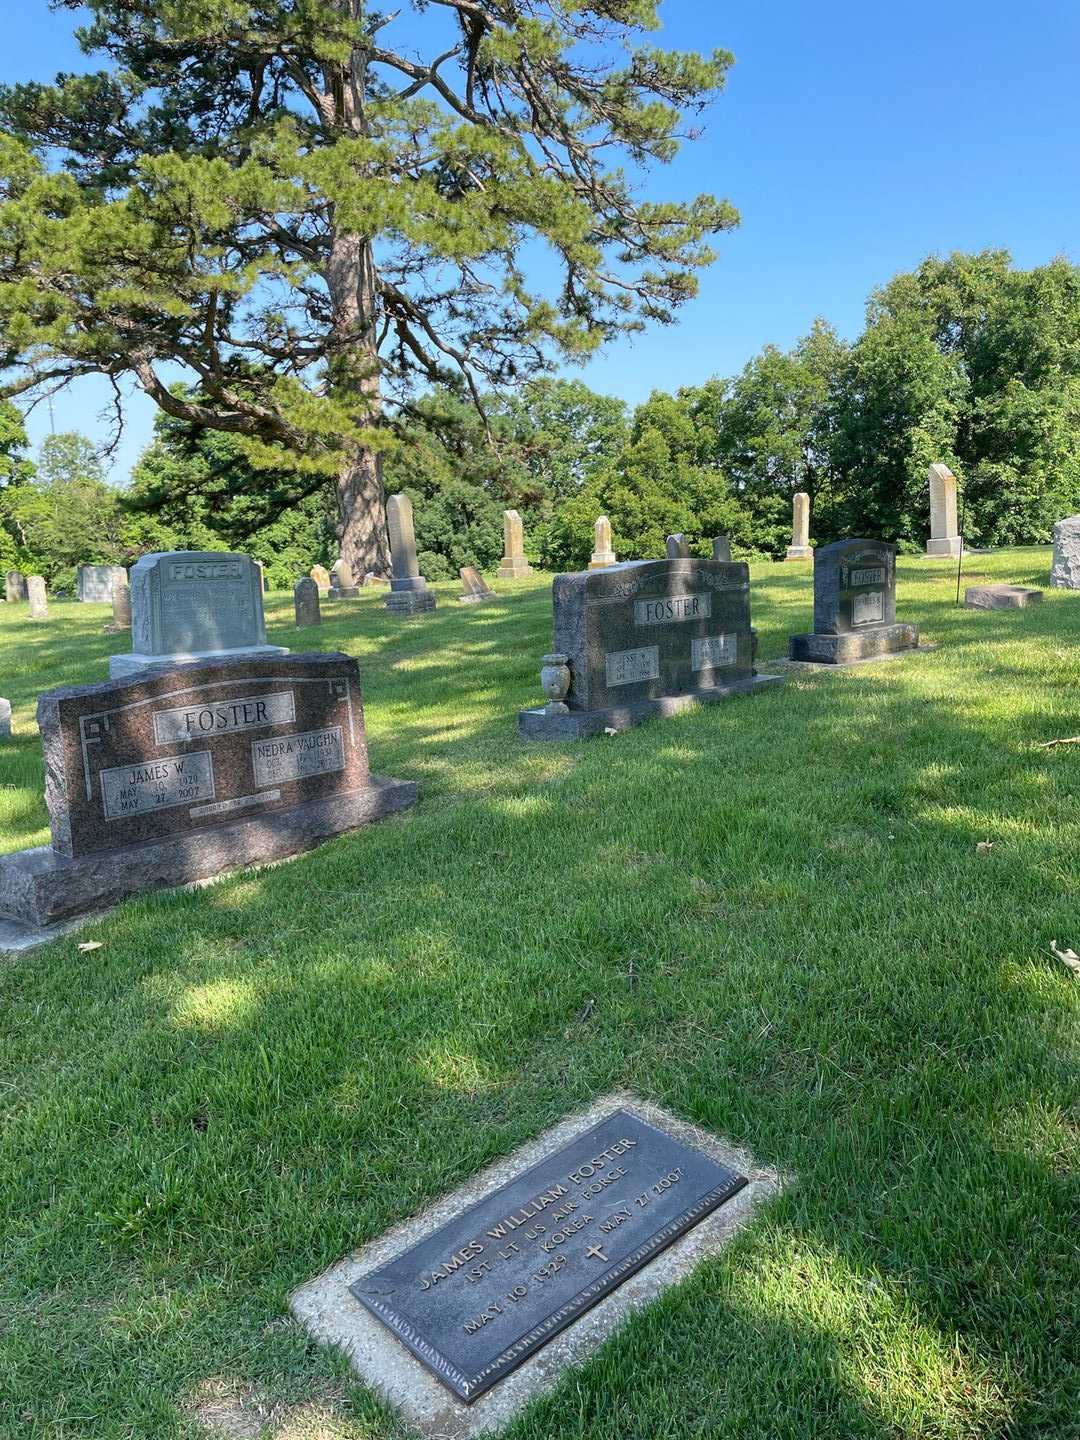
(307,207)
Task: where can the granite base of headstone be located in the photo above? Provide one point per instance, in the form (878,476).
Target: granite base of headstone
(642,639)
(5,719)
(474,588)
(854,606)
(1065,574)
(173,776)
(1000,597)
(193,605)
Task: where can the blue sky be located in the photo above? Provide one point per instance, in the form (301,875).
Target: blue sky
(854,139)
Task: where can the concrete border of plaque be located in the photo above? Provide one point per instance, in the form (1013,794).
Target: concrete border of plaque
(644,638)
(174,776)
(598,1267)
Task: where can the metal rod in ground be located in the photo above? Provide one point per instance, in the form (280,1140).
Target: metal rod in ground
(960,556)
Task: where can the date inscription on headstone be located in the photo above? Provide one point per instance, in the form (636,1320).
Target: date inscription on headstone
(474,1299)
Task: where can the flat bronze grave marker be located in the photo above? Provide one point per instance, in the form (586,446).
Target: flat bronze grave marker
(479,1295)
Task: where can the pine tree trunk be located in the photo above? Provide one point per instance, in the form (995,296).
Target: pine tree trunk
(361,505)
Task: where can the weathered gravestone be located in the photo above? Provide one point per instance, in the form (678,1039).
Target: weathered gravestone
(513,563)
(944,532)
(39,604)
(603,555)
(169,776)
(721,549)
(121,609)
(306,602)
(677,547)
(94,584)
(474,588)
(648,637)
(1065,574)
(194,605)
(15,587)
(800,547)
(1000,597)
(343,584)
(321,576)
(5,719)
(854,605)
(409,593)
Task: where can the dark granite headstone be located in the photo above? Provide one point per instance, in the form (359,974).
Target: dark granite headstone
(15,587)
(721,548)
(477,1297)
(647,637)
(306,602)
(173,775)
(854,605)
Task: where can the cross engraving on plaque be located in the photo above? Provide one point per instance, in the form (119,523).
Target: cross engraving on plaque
(596,1253)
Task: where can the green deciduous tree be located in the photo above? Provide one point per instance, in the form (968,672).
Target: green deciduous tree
(309,207)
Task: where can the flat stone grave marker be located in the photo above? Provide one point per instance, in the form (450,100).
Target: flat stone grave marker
(1000,597)
(169,776)
(648,637)
(854,606)
(474,588)
(461,1315)
(194,605)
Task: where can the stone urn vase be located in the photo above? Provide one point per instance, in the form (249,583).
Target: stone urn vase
(555,682)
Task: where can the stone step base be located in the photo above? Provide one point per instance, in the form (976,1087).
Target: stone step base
(579,724)
(855,645)
(120,665)
(39,887)
(410,602)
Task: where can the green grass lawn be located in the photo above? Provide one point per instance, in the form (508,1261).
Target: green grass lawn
(768,915)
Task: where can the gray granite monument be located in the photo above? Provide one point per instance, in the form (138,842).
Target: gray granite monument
(721,549)
(94,584)
(194,605)
(645,638)
(306,602)
(409,593)
(168,776)
(39,604)
(15,587)
(513,564)
(854,605)
(1065,574)
(677,547)
(474,588)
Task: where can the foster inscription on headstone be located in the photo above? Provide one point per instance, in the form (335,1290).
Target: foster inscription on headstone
(474,1299)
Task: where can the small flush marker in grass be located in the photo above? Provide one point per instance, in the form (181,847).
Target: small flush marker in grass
(1068,958)
(461,1315)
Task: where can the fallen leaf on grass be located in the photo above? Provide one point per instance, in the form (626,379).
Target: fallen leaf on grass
(609,731)
(984,847)
(1068,958)
(91,944)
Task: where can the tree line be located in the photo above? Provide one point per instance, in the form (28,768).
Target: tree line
(966,360)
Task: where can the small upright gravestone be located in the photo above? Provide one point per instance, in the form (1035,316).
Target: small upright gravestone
(513,563)
(194,605)
(169,776)
(343,584)
(944,532)
(121,609)
(721,549)
(39,605)
(306,602)
(14,587)
(603,555)
(321,576)
(5,719)
(800,547)
(677,548)
(409,593)
(474,588)
(649,637)
(854,605)
(1065,574)
(94,584)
